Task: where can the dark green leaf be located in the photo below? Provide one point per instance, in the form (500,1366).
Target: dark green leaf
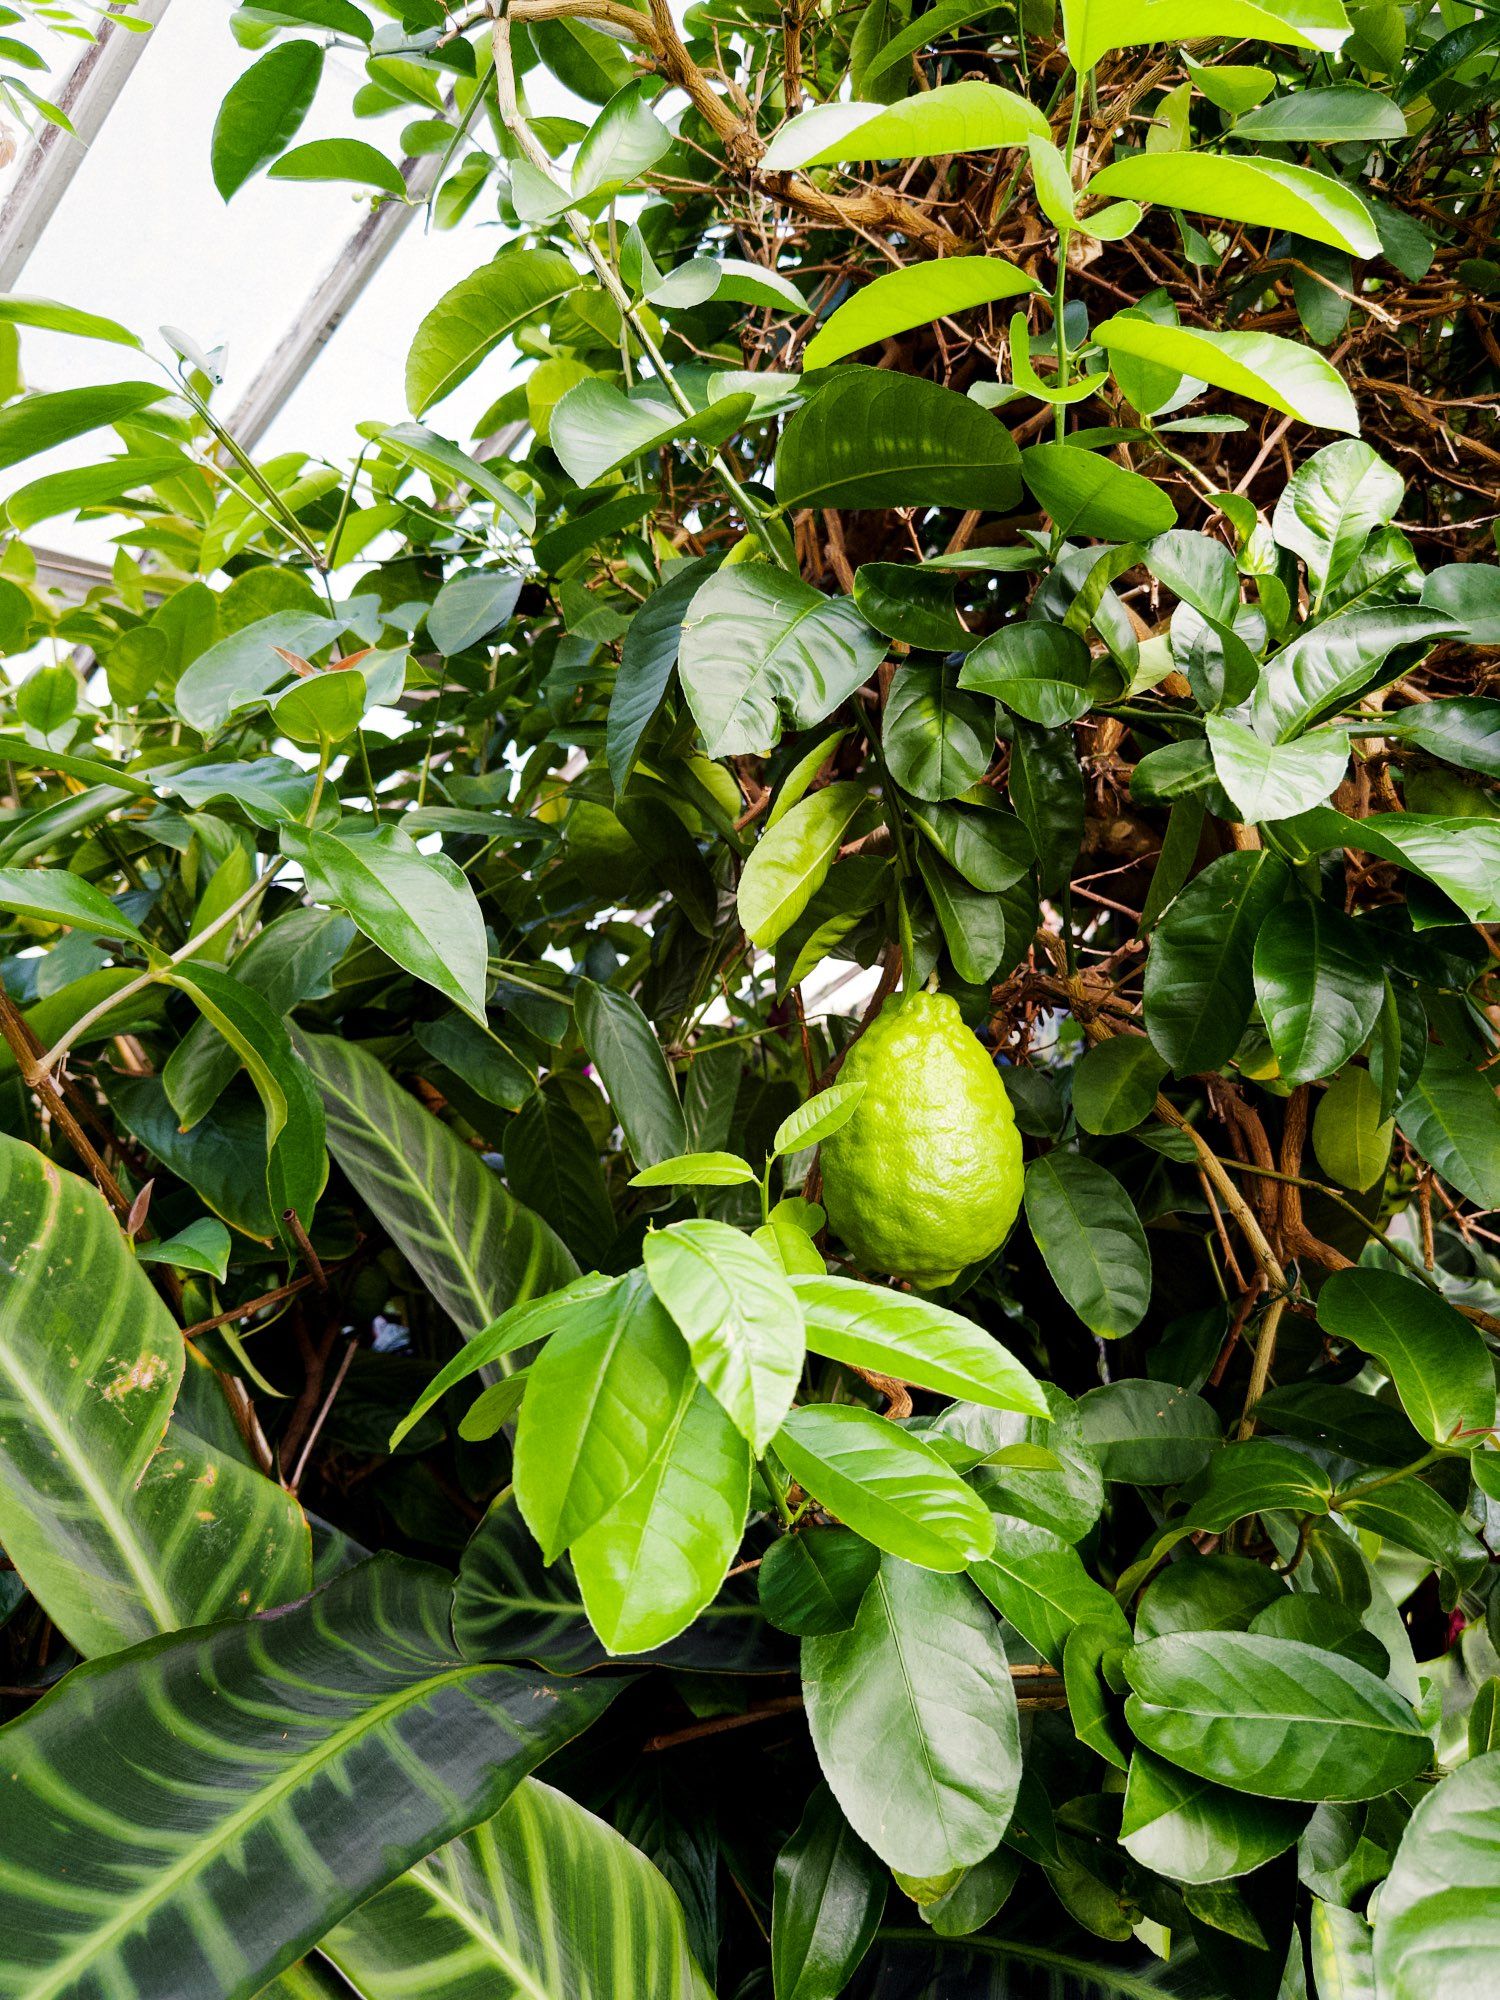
(1200,975)
(262,112)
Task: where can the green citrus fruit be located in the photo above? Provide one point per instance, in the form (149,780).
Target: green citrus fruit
(925,1178)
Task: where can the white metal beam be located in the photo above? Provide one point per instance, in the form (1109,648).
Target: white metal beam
(53,156)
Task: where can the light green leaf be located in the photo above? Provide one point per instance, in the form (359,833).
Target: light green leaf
(817,1119)
(122,1522)
(54,318)
(739,1316)
(886,1484)
(340,160)
(1282,374)
(262,112)
(542,1902)
(913,1716)
(430,1744)
(88,486)
(1094,27)
(1436,1359)
(791,860)
(202,1246)
(596,427)
(602,1400)
(937,740)
(1340,1946)
(239,670)
(760,649)
(1086,493)
(1316,673)
(1331,506)
(472,318)
(657,1559)
(1089,1234)
(913,1340)
(1265,193)
(35,424)
(1273,1717)
(913,296)
(696,1170)
(954,118)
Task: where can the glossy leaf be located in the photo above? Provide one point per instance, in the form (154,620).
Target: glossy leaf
(1037,1582)
(1280,374)
(873,438)
(913,1340)
(913,296)
(624,1050)
(1452,1116)
(1267,193)
(263,112)
(954,118)
(739,1317)
(887,1485)
(431,1744)
(1435,1926)
(791,860)
(1319,988)
(1115,1085)
(1087,1229)
(1200,975)
(1436,1358)
(1272,1717)
(1191,1830)
(828,1896)
(1086,493)
(913,1716)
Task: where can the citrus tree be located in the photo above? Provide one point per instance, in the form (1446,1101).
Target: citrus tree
(777,1085)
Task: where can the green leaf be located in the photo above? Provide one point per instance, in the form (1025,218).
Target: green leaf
(239,670)
(791,860)
(988,846)
(340,160)
(649,1566)
(418,908)
(817,1119)
(431,1744)
(1265,193)
(470,606)
(602,1400)
(52,896)
(1039,671)
(596,427)
(1087,1230)
(913,1716)
(1190,1830)
(1351,1139)
(120,1520)
(1415,1517)
(1200,980)
(812,1582)
(1148,1433)
(937,742)
(1451,1117)
(827,1899)
(761,649)
(739,1316)
(696,1170)
(873,437)
(913,296)
(88,486)
(475,1249)
(886,1484)
(1435,1920)
(1282,374)
(622,1046)
(954,118)
(262,112)
(202,1246)
(1462,856)
(543,1901)
(648,654)
(913,1340)
(521,1325)
(1324,117)
(1095,27)
(1086,493)
(54,318)
(910,602)
(1269,781)
(1464,731)
(1046,789)
(1037,1582)
(36,423)
(1331,506)
(453,470)
(1324,666)
(1470,593)
(1272,1717)
(472,318)
(1436,1359)
(1319,988)
(1115,1085)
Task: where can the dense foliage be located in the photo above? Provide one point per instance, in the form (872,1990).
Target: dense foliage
(988,503)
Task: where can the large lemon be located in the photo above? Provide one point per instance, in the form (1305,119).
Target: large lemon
(925,1178)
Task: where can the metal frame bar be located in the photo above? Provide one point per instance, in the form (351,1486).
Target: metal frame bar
(53,156)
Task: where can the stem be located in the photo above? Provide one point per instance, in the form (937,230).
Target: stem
(1265,1354)
(1060,288)
(45,1064)
(514,120)
(1390,1478)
